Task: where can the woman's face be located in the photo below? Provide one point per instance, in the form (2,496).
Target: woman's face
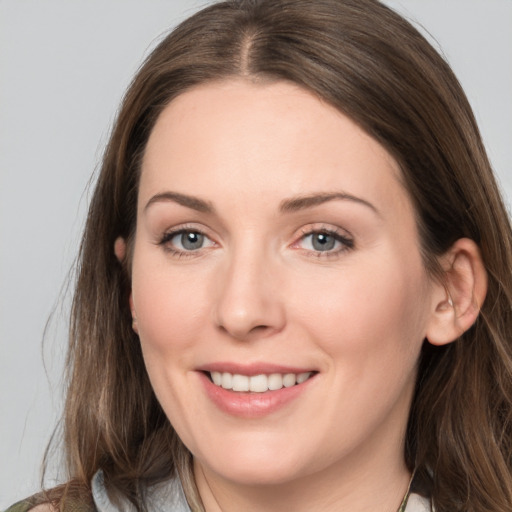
(278,288)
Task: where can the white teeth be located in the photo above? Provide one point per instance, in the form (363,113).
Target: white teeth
(240,382)
(258,383)
(289,380)
(275,381)
(227,381)
(302,377)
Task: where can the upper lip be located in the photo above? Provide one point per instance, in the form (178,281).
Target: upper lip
(253,368)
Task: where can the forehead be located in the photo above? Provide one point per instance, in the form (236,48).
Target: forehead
(264,139)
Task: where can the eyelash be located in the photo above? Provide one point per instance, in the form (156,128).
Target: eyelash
(346,242)
(169,235)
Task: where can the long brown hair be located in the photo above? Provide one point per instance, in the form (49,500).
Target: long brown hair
(375,67)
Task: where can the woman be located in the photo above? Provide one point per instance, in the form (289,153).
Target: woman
(294,283)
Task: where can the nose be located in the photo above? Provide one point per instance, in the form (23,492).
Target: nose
(249,297)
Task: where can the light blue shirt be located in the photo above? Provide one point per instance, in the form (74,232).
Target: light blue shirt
(165,497)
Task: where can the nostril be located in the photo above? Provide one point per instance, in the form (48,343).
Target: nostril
(259,328)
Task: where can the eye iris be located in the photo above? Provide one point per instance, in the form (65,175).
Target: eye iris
(191,240)
(323,242)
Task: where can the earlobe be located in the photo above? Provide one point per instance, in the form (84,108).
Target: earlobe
(120,248)
(457,299)
(120,252)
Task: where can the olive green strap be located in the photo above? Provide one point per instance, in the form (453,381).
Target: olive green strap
(70,505)
(21,506)
(403,505)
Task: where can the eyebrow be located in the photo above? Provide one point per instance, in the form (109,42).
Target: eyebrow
(286,206)
(191,202)
(304,202)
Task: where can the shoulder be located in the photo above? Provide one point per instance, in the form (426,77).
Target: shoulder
(26,505)
(69,506)
(55,500)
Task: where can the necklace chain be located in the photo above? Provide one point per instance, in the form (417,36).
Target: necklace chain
(403,505)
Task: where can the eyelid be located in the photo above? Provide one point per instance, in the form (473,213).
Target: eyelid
(170,233)
(340,235)
(187,226)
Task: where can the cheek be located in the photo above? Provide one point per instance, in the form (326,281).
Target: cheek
(367,309)
(170,307)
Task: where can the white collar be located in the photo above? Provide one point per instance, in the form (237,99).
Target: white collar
(165,497)
(417,503)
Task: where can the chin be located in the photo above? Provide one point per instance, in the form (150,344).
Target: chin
(259,466)
(248,474)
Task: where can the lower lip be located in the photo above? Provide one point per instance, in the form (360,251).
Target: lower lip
(251,405)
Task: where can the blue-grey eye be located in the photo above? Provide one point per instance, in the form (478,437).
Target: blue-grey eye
(188,240)
(323,242)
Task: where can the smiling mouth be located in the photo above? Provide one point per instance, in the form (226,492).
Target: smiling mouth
(257,383)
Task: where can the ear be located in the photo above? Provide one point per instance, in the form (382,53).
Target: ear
(120,248)
(120,252)
(457,299)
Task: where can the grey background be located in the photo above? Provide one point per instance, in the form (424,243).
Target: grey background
(63,68)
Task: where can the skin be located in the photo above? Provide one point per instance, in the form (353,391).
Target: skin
(259,291)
